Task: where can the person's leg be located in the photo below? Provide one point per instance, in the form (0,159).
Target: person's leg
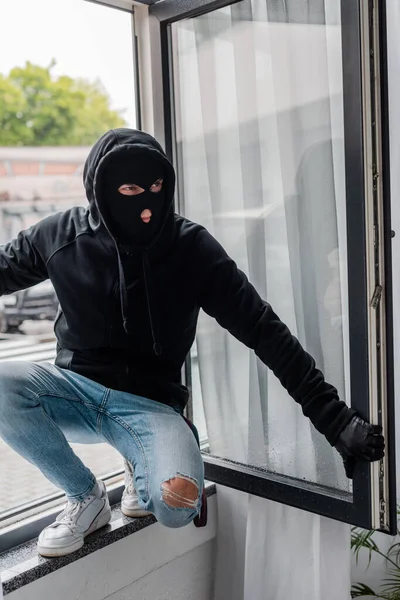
(155,439)
(130,506)
(41,406)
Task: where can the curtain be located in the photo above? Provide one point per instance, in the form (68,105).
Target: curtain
(259,123)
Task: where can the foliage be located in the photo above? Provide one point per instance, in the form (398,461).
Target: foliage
(38,108)
(390,589)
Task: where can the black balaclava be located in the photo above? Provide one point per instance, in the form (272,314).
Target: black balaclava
(124,215)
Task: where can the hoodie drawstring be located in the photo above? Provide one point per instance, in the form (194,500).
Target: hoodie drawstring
(157,348)
(123,294)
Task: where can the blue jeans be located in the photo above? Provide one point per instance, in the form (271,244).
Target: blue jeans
(43,407)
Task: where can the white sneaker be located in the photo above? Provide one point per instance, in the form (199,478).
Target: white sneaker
(130,501)
(77,520)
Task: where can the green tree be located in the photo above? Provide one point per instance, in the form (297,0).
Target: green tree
(12,104)
(40,109)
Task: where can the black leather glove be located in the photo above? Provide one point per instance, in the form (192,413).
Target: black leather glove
(360,440)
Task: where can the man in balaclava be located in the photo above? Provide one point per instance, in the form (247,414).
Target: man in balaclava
(131,277)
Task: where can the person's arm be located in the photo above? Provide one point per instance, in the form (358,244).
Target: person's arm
(228,296)
(22,260)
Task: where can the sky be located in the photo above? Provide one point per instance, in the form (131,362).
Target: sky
(85,39)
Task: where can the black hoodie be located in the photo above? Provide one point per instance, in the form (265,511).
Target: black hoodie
(128,315)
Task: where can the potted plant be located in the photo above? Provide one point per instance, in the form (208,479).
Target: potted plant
(390,588)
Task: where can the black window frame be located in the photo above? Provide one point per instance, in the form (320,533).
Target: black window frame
(355,508)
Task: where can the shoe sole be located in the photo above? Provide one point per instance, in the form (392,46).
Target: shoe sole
(102,521)
(136,513)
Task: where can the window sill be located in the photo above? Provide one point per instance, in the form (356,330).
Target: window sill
(22,565)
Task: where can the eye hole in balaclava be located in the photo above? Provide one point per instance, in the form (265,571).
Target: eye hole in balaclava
(133,198)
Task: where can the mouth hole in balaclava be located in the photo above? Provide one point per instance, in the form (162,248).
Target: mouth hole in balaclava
(133,197)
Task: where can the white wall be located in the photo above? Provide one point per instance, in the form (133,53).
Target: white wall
(188,577)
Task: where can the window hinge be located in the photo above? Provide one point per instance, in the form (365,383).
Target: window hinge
(376,296)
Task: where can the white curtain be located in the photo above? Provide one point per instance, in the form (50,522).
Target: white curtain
(258,92)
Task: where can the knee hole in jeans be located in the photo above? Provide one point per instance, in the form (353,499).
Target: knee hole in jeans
(180,492)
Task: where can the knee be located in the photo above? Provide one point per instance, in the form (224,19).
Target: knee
(180,498)
(180,492)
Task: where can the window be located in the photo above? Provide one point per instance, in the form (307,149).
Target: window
(66,77)
(271,128)
(264,108)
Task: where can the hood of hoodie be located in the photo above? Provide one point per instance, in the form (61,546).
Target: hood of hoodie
(130,142)
(123,142)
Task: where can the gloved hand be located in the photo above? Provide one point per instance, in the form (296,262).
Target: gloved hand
(360,440)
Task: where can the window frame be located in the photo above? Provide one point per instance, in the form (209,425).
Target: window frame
(124,5)
(364,507)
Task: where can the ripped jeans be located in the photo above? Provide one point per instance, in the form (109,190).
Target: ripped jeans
(43,407)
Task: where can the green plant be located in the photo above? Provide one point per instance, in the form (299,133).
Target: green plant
(40,108)
(390,589)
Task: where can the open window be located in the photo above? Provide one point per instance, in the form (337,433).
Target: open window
(274,115)
(65,78)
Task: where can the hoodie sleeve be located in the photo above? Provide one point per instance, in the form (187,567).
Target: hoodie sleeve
(22,261)
(228,296)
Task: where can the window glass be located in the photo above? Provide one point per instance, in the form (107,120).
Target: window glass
(66,76)
(260,146)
